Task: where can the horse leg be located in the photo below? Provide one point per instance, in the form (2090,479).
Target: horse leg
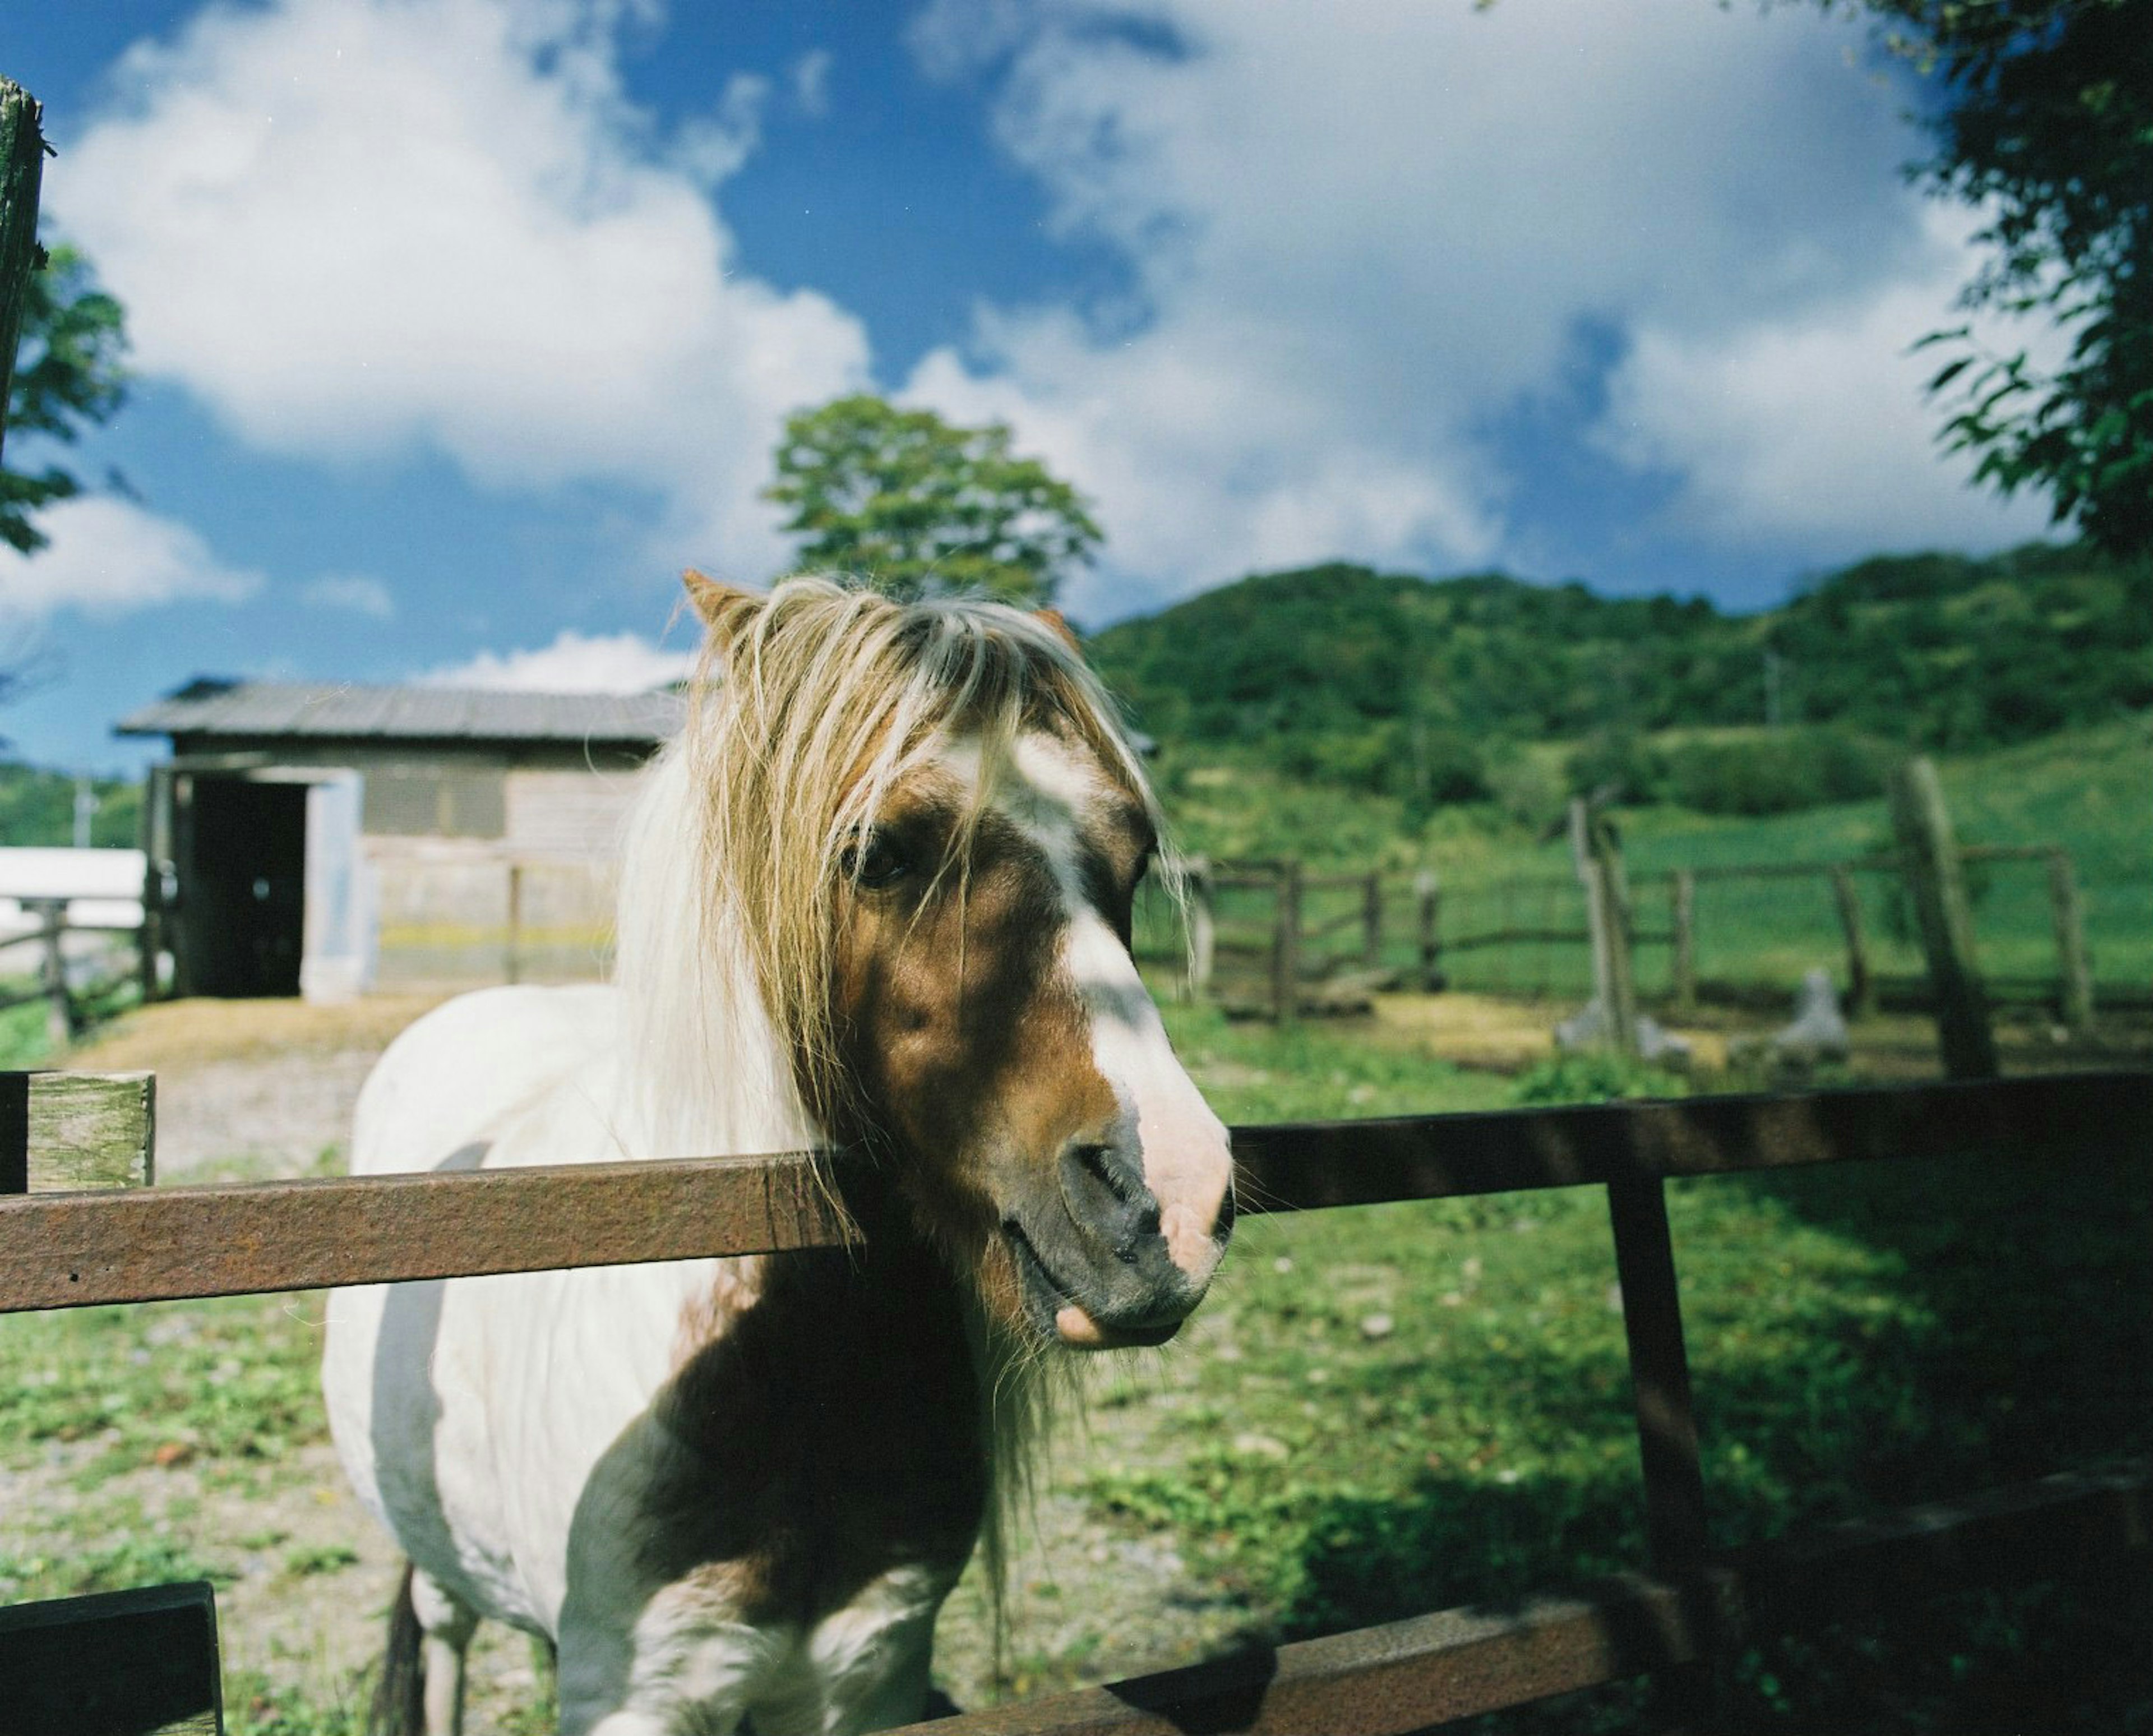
(448,1626)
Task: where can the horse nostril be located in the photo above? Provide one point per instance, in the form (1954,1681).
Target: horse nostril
(1104,1187)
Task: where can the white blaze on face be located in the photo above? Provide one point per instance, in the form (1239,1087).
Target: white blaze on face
(1187,1163)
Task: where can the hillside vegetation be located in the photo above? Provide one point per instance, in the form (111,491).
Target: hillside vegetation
(1432,692)
(37,807)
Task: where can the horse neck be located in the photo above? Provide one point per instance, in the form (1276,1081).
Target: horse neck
(702,1073)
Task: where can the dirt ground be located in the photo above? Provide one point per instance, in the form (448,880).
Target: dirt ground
(1509,1036)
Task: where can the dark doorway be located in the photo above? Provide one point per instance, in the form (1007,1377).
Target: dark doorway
(243,899)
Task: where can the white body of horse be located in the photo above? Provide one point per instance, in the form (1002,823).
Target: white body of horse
(475,1417)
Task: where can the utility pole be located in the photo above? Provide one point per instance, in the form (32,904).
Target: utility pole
(86,806)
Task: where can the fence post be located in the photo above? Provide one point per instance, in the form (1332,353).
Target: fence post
(1286,944)
(1372,921)
(2075,976)
(1938,884)
(1203,929)
(1427,911)
(1667,1446)
(1600,867)
(22,169)
(1684,891)
(512,963)
(51,974)
(1861,993)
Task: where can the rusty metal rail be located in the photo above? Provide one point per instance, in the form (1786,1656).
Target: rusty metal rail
(60,1250)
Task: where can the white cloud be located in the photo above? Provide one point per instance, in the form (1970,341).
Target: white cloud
(353,593)
(354,227)
(1816,424)
(574,662)
(108,557)
(811,82)
(1353,246)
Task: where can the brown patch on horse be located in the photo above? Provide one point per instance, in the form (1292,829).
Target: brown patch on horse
(829,1436)
(964,1045)
(734,1288)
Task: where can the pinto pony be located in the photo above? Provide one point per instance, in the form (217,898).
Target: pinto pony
(877,896)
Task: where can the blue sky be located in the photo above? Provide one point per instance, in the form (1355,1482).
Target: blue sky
(460,326)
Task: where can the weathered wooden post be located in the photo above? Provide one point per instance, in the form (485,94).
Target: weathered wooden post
(2073,973)
(1427,914)
(1203,929)
(1682,894)
(1286,944)
(512,964)
(1936,883)
(1861,993)
(52,972)
(1371,920)
(1606,915)
(22,169)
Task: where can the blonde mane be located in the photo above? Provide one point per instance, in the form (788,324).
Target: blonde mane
(806,708)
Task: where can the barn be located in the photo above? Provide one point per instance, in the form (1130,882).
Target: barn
(326,838)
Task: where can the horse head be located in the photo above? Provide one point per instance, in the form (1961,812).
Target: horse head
(933,830)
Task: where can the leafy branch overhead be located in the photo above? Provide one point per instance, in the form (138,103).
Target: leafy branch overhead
(2044,122)
(919,507)
(68,374)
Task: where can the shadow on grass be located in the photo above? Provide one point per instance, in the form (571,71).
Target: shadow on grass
(1984,1323)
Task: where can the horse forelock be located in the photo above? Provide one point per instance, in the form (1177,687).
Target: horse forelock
(805,719)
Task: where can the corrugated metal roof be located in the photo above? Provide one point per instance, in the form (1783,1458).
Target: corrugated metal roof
(349,712)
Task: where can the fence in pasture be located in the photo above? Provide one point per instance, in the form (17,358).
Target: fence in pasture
(1730,934)
(82,1229)
(106,954)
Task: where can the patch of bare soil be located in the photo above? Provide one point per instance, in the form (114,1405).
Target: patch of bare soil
(252,1090)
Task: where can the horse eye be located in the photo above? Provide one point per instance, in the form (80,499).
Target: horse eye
(877,863)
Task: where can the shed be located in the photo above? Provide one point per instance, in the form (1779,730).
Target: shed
(317,838)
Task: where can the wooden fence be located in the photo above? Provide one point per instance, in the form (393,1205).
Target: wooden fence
(1255,926)
(1685,1609)
(63,1001)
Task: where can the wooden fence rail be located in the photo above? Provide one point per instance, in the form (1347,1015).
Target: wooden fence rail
(65,1249)
(1386,946)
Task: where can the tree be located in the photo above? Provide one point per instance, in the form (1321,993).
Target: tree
(67,374)
(917,508)
(2044,120)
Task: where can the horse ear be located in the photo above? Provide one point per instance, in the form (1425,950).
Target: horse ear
(723,608)
(1062,630)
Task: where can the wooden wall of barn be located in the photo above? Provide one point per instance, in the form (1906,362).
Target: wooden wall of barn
(476,851)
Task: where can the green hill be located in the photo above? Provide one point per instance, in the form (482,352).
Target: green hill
(1422,689)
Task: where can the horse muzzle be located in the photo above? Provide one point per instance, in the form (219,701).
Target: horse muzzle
(1101,1265)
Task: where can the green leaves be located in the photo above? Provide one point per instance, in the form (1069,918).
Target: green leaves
(918,507)
(67,373)
(2045,123)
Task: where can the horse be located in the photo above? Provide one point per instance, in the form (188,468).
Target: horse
(875,897)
